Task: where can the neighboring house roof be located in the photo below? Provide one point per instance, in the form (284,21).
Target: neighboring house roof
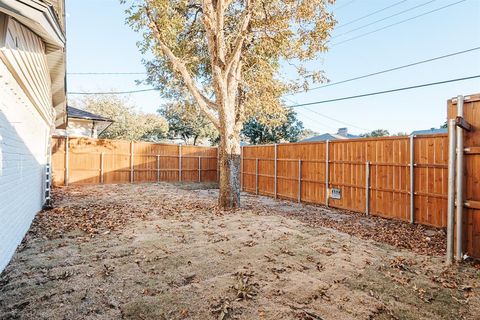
(82,114)
(430,131)
(324,137)
(341,134)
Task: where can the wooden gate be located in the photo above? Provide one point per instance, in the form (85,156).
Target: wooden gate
(471,218)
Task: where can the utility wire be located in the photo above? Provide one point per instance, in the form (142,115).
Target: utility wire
(319,87)
(369,15)
(113,92)
(384,92)
(389,70)
(396,23)
(383,19)
(336,120)
(316,123)
(344,5)
(308,118)
(102,73)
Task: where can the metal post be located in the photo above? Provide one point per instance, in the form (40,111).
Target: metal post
(275,173)
(367,188)
(158,168)
(460,195)
(412,179)
(180,162)
(67,160)
(101,167)
(199,169)
(256,176)
(299,180)
(131,161)
(326,171)
(451,188)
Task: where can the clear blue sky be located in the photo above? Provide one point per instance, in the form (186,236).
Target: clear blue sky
(99,41)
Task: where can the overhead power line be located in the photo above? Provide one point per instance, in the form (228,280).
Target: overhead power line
(344,5)
(314,88)
(113,92)
(336,120)
(383,19)
(102,73)
(369,15)
(389,70)
(316,123)
(384,92)
(396,23)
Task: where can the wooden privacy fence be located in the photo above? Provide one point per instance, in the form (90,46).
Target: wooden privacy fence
(91,161)
(396,177)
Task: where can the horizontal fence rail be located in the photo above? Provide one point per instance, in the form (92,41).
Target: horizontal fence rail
(395,177)
(93,161)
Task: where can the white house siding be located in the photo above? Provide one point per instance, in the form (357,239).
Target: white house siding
(79,128)
(24,54)
(24,134)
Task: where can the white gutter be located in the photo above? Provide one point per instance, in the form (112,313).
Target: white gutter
(38,16)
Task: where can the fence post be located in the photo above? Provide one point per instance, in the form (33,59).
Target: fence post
(275,173)
(299,180)
(367,188)
(67,160)
(460,181)
(241,168)
(327,148)
(158,168)
(412,179)
(199,169)
(256,176)
(101,167)
(180,162)
(131,161)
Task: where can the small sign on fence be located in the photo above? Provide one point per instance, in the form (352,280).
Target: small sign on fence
(335,193)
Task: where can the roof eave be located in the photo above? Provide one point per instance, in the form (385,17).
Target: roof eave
(39,17)
(92,119)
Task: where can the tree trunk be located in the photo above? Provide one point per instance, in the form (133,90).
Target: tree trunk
(229,178)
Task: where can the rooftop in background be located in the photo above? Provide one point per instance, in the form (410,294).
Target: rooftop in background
(82,114)
(430,131)
(341,134)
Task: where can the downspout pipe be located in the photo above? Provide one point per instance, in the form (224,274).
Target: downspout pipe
(460,190)
(451,189)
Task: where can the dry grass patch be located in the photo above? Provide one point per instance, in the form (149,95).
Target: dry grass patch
(164,251)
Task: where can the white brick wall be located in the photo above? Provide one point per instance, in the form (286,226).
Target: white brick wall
(23,145)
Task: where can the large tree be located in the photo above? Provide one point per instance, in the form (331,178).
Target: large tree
(259,132)
(225,56)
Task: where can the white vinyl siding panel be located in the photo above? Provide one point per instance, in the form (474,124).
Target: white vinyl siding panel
(24,54)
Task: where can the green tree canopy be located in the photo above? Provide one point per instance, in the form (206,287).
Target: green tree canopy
(288,130)
(376,133)
(128,124)
(188,123)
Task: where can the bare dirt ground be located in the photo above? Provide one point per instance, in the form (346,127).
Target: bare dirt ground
(164,251)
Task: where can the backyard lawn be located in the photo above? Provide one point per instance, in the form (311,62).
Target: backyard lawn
(164,251)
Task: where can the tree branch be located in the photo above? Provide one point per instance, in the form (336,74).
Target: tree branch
(234,56)
(203,103)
